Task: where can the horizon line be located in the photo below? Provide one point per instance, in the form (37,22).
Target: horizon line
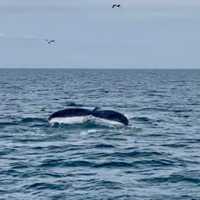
(104,68)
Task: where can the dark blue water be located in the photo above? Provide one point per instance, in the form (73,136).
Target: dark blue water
(157,157)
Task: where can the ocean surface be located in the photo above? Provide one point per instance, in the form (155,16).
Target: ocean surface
(156,157)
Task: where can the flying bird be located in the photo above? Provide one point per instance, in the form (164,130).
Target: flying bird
(116,5)
(50,41)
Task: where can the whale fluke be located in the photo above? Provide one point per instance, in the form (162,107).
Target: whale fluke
(111,115)
(81,115)
(70,112)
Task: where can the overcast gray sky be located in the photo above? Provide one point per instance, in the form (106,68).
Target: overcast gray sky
(89,33)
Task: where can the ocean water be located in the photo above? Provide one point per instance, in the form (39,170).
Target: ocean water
(156,157)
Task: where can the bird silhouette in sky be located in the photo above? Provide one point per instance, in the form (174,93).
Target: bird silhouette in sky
(116,5)
(50,41)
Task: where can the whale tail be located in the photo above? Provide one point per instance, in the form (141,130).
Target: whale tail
(80,115)
(110,115)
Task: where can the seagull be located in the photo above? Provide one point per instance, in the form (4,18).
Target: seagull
(50,41)
(116,5)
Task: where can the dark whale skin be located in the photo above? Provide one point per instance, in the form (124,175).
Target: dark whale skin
(70,112)
(111,115)
(103,114)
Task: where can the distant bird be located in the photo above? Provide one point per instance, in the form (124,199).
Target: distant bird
(50,41)
(116,5)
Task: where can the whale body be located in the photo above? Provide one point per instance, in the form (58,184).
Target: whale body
(81,115)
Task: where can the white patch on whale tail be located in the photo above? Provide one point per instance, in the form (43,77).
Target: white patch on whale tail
(69,120)
(105,122)
(85,119)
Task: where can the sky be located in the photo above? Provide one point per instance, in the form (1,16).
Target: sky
(90,34)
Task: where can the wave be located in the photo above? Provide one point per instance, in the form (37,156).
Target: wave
(167,109)
(181,110)
(109,184)
(147,120)
(46,186)
(4,124)
(155,163)
(135,154)
(173,178)
(73,104)
(176,145)
(114,164)
(64,163)
(142,119)
(105,146)
(153,109)
(33,122)
(32,119)
(82,163)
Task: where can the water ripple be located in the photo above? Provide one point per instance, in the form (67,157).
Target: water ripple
(156,157)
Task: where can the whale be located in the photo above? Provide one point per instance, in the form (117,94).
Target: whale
(82,115)
(70,116)
(110,115)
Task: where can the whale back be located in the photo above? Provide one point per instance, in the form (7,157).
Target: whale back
(70,112)
(111,115)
